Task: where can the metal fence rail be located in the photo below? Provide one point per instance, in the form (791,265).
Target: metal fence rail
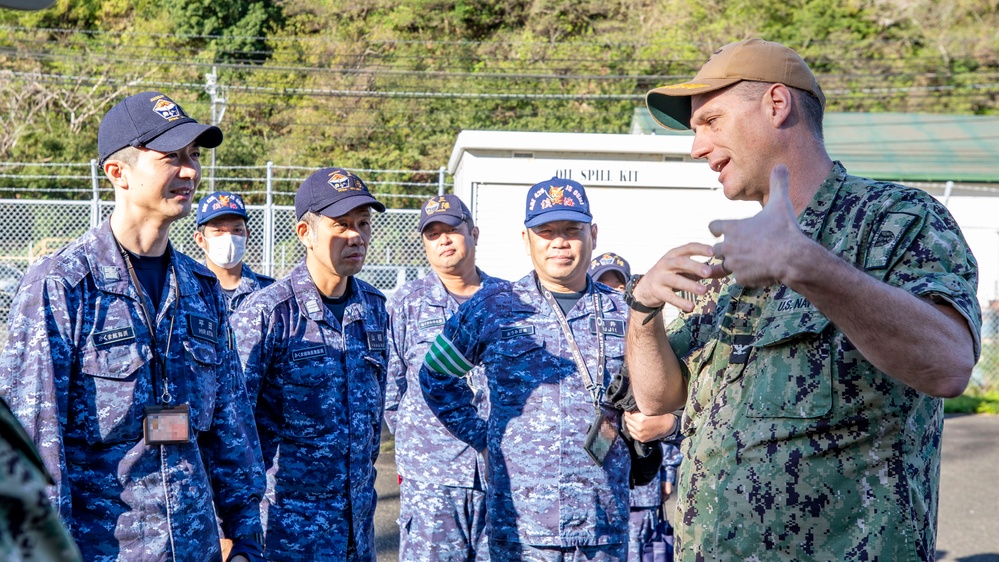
(32,227)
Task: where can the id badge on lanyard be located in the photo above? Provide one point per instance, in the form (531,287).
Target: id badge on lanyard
(600,438)
(167,424)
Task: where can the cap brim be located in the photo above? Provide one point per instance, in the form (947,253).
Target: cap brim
(449,220)
(670,105)
(348,204)
(176,138)
(224,214)
(560,215)
(598,271)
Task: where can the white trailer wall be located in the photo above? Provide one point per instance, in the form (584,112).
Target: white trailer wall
(639,224)
(646,194)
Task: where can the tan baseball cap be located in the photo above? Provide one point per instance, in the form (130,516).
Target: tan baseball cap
(753,59)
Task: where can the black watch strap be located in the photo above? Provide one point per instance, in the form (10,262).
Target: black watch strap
(629,296)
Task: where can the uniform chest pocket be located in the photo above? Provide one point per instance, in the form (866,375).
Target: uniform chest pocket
(308,389)
(117,382)
(200,389)
(792,375)
(520,366)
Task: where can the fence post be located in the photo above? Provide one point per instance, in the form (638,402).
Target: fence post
(440,180)
(269,222)
(95,204)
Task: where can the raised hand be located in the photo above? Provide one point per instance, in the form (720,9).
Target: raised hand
(675,272)
(757,250)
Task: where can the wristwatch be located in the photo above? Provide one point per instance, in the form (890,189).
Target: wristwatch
(629,298)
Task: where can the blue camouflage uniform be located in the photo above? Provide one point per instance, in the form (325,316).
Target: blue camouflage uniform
(797,447)
(644,503)
(544,489)
(248,283)
(319,387)
(647,500)
(78,372)
(434,466)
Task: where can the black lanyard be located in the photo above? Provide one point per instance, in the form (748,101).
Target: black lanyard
(158,361)
(596,389)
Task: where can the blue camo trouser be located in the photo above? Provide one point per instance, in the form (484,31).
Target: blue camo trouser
(516,552)
(640,525)
(441,523)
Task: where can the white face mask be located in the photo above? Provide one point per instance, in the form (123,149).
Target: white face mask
(226,250)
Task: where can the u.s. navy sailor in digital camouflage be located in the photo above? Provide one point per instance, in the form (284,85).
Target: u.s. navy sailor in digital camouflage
(30,528)
(83,362)
(826,331)
(318,380)
(78,371)
(426,454)
(546,498)
(806,441)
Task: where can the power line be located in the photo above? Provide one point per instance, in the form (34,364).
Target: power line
(336,92)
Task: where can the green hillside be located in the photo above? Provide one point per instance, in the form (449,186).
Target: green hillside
(388,85)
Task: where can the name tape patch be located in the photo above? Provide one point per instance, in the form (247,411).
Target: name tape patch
(515,331)
(113,336)
(202,328)
(432,323)
(612,327)
(308,353)
(377,340)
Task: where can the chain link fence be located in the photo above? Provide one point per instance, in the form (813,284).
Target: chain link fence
(31,227)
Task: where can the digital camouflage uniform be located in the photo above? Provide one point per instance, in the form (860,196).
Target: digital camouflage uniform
(442,511)
(318,389)
(78,372)
(248,283)
(544,490)
(30,529)
(646,500)
(797,447)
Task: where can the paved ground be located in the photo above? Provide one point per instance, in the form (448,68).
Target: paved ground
(968,527)
(969,494)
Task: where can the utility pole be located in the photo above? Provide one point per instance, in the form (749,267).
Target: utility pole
(217,95)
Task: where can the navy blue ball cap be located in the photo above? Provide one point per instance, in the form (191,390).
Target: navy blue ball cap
(448,209)
(609,261)
(557,199)
(154,121)
(220,203)
(333,192)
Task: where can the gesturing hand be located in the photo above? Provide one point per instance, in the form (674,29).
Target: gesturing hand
(756,250)
(675,273)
